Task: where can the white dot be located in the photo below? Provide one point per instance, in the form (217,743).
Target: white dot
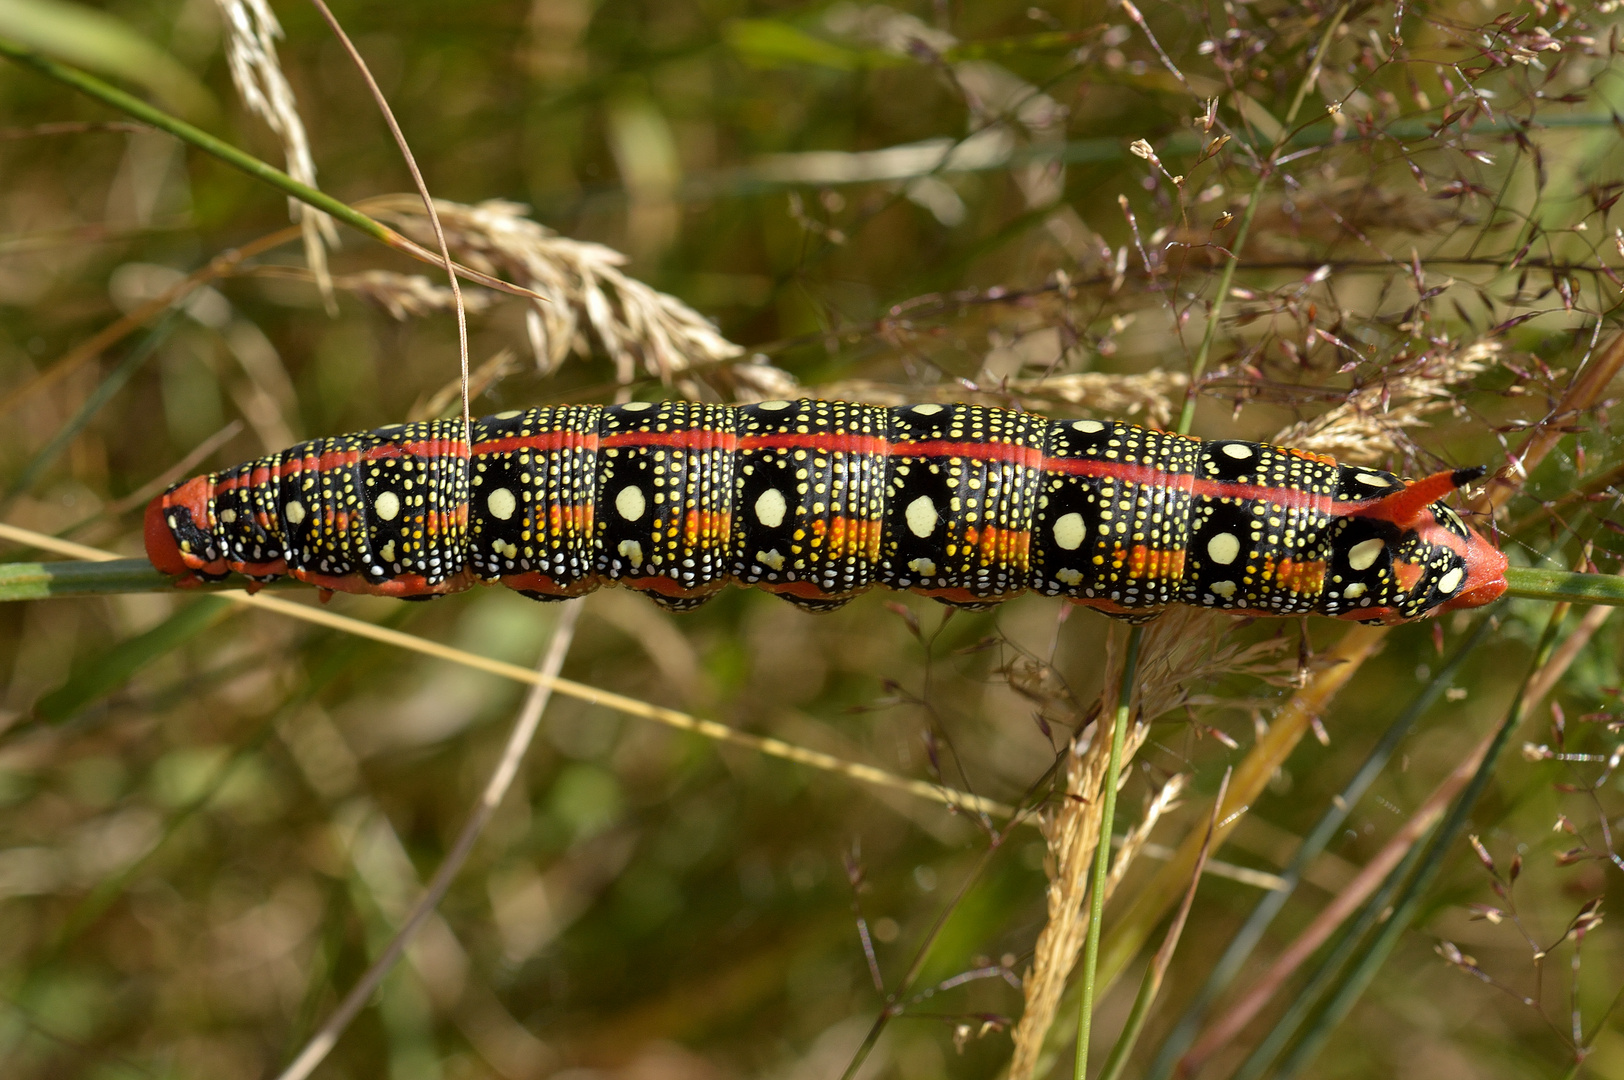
(387,506)
(1225,589)
(637,406)
(502,503)
(927,409)
(1450,581)
(1362,555)
(1223,548)
(1238,451)
(1372,479)
(770,508)
(1088,427)
(1070,531)
(1354,591)
(774,406)
(921,515)
(630,503)
(294,512)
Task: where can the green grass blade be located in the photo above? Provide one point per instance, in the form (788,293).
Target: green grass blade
(105,673)
(1324,831)
(1408,902)
(1102,850)
(127,103)
(104,392)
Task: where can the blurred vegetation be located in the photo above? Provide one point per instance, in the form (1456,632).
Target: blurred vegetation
(211,819)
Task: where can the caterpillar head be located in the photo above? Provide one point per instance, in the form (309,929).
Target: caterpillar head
(176,530)
(1410,555)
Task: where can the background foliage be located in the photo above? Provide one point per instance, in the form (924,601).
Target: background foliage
(210,819)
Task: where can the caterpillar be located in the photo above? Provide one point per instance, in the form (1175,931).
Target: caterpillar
(817,501)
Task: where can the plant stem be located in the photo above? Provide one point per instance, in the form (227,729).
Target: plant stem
(1408,901)
(1102,849)
(111,95)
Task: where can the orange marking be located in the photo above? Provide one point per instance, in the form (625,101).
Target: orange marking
(1302,578)
(1408,574)
(1001,547)
(1151,564)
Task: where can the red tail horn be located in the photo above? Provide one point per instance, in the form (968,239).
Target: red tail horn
(1403,508)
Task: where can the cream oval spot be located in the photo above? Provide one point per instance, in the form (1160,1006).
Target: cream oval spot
(776,405)
(1238,451)
(922,567)
(927,409)
(509,415)
(501,503)
(630,503)
(770,508)
(632,552)
(387,506)
(1225,589)
(1354,591)
(1068,576)
(637,406)
(1362,556)
(1070,531)
(294,512)
(921,516)
(1088,427)
(227,516)
(770,559)
(387,552)
(1224,548)
(1450,581)
(1372,480)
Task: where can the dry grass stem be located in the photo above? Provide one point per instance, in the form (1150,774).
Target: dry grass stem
(1372,424)
(251,33)
(496,788)
(486,375)
(1133,845)
(672,718)
(588,296)
(1149,397)
(1224,1029)
(1181,651)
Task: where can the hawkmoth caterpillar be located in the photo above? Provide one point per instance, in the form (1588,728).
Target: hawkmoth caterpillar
(818,501)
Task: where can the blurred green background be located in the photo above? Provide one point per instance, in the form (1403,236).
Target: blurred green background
(205,837)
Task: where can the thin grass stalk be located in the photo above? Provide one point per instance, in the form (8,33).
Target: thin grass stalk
(1198,366)
(104,392)
(423,190)
(672,718)
(1156,972)
(1302,1003)
(1102,850)
(895,999)
(110,335)
(1246,939)
(1408,902)
(1375,871)
(112,96)
(496,788)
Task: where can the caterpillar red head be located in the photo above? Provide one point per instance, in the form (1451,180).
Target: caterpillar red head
(1435,561)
